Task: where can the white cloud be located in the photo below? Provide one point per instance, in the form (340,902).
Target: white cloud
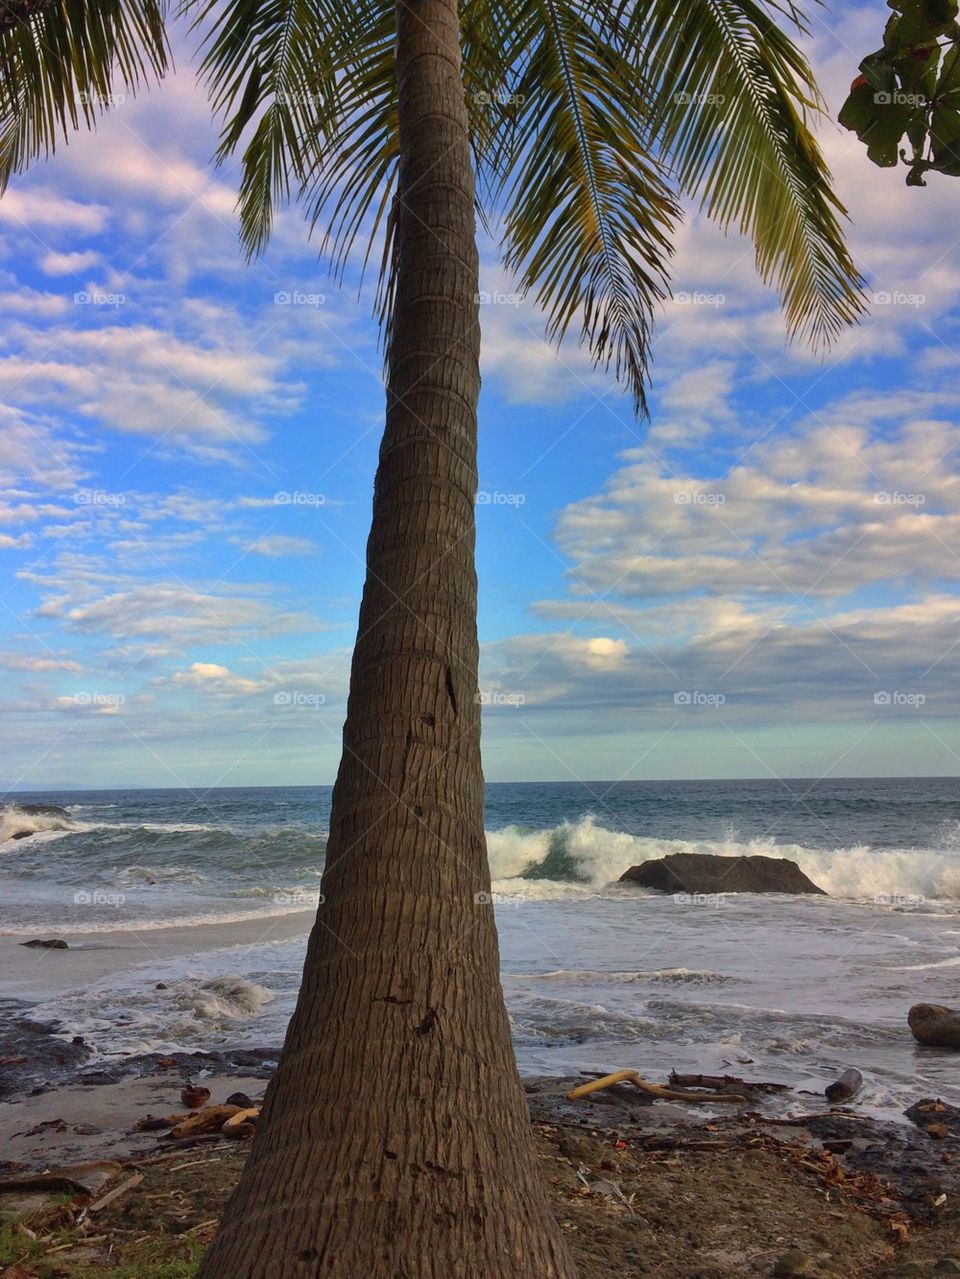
(38,207)
(54,263)
(276,545)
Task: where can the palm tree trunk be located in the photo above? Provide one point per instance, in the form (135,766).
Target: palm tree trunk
(395,1141)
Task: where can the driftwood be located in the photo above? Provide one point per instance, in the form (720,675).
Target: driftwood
(725,1083)
(653,1090)
(210,1119)
(847,1086)
(154,1123)
(115,1193)
(243,1123)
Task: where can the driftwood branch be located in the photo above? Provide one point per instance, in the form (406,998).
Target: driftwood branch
(725,1083)
(653,1090)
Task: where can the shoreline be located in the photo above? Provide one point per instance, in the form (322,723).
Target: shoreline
(38,973)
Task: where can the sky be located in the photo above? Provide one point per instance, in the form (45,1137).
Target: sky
(760,581)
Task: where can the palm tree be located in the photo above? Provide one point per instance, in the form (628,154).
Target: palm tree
(394,1139)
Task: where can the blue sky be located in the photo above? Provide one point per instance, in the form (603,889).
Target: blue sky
(762,580)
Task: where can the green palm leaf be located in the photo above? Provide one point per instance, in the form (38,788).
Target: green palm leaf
(731,97)
(588,212)
(62,64)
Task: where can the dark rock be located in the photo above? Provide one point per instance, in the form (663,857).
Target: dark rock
(934,1025)
(161,985)
(931,1110)
(47,943)
(41,810)
(239,1099)
(36,1059)
(705,873)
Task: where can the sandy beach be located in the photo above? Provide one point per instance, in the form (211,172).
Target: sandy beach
(639,1188)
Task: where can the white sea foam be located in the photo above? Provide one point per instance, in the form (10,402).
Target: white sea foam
(15,822)
(583,858)
(223,998)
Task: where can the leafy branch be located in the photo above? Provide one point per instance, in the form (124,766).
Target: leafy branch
(910,90)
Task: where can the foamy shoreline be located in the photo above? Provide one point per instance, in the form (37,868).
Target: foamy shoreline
(91,955)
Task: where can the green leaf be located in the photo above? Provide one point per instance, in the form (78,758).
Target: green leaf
(918,22)
(880,120)
(945,140)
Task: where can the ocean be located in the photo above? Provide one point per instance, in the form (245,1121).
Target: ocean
(187,913)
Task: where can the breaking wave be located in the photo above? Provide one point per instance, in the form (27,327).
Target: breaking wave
(583,858)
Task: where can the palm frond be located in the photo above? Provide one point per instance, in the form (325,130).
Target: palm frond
(270,67)
(587,211)
(63,64)
(730,104)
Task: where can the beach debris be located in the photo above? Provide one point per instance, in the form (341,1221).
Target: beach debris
(210,1119)
(115,1193)
(651,1089)
(194,1096)
(156,1123)
(74,1179)
(240,1099)
(846,1087)
(934,1025)
(243,1123)
(45,943)
(725,1083)
(696,873)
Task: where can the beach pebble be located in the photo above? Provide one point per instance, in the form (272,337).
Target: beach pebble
(48,943)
